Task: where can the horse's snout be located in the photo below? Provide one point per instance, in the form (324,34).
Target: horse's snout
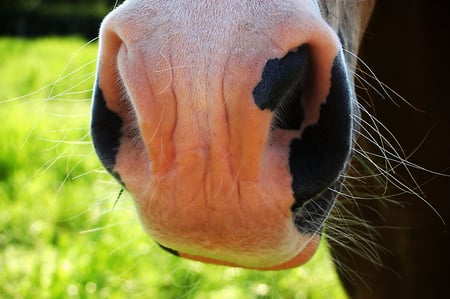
(230,125)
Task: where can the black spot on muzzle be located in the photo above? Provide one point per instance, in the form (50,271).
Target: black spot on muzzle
(320,155)
(280,88)
(106,128)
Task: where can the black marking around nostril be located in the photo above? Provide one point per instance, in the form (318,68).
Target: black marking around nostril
(281,86)
(106,132)
(321,154)
(279,76)
(309,218)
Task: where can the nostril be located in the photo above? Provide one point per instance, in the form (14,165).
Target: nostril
(321,155)
(280,88)
(109,108)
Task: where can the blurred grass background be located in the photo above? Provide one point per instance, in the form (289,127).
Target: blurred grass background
(61,233)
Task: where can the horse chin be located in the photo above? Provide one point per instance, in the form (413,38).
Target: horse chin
(301,258)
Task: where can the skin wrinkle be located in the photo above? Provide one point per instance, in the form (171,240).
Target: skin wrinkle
(225,110)
(226,120)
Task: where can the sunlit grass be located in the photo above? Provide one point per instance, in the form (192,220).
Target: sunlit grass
(61,233)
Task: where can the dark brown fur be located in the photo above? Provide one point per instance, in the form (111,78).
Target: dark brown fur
(407,47)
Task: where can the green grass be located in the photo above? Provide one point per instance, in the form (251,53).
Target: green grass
(61,234)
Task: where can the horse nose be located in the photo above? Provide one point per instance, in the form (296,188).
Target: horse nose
(227,123)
